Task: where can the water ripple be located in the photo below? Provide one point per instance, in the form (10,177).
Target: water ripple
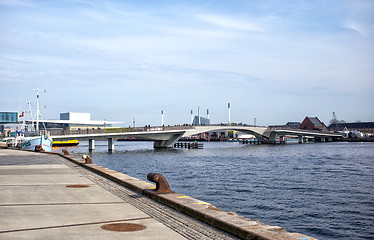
(321,190)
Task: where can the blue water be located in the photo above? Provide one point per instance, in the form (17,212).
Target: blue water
(323,190)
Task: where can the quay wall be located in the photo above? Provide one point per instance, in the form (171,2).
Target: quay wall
(230,222)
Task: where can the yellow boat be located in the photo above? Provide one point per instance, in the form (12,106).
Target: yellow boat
(65,143)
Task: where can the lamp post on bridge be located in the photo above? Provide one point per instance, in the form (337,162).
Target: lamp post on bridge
(228,105)
(191,117)
(198,114)
(162,117)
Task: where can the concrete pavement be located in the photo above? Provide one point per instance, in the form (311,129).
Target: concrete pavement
(35,203)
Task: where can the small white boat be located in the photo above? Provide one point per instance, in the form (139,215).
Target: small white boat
(31,140)
(36,143)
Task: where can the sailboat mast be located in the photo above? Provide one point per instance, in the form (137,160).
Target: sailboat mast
(37,109)
(31,116)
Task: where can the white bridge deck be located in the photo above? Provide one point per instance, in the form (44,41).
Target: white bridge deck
(166,138)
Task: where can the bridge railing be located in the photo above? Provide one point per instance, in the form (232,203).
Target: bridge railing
(297,129)
(59,132)
(234,124)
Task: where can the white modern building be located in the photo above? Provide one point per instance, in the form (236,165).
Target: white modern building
(74,121)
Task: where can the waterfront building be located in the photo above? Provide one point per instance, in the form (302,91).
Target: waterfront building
(7,118)
(75,121)
(313,123)
(201,121)
(294,125)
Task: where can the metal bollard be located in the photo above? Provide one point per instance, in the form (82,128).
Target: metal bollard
(38,148)
(65,152)
(87,159)
(162,186)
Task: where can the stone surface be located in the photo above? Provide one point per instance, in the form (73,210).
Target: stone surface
(36,204)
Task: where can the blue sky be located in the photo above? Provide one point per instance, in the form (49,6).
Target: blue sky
(276,61)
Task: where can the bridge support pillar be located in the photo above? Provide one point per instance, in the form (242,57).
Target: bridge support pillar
(301,139)
(167,143)
(272,137)
(110,145)
(323,139)
(91,144)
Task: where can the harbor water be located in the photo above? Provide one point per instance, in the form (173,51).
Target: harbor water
(324,190)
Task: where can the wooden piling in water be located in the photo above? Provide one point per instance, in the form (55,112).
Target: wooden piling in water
(188,145)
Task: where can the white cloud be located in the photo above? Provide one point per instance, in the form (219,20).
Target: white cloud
(356,27)
(201,33)
(6,73)
(96,15)
(15,3)
(231,23)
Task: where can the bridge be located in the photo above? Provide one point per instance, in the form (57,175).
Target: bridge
(166,137)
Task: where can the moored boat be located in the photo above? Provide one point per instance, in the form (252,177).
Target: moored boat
(65,143)
(30,138)
(35,143)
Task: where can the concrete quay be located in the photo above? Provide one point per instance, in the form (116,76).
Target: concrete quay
(53,196)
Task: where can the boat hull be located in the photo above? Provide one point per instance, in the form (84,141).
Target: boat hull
(42,141)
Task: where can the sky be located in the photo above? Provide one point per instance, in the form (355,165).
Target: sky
(276,61)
